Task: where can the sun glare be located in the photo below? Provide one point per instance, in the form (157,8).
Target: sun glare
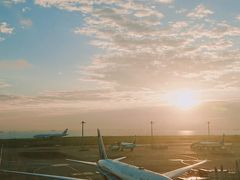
(183,99)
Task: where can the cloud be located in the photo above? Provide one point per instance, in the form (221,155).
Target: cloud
(200,12)
(4,97)
(12,2)
(17,64)
(165,1)
(90,95)
(26,23)
(2,39)
(66,4)
(181,11)
(5,28)
(3,84)
(81,100)
(50,112)
(145,53)
(26,9)
(180,25)
(238,17)
(141,53)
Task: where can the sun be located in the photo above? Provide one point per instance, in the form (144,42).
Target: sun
(183,99)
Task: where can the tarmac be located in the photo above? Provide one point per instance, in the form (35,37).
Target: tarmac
(52,159)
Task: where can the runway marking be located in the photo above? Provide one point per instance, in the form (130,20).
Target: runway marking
(84,173)
(184,161)
(60,165)
(73,168)
(37,169)
(191,157)
(56,165)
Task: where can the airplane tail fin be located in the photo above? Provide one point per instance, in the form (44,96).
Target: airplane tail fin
(102,151)
(135,138)
(65,131)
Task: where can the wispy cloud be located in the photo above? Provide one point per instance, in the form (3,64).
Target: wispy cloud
(181,11)
(238,17)
(200,12)
(4,84)
(5,28)
(141,53)
(80,100)
(165,1)
(148,48)
(26,9)
(14,64)
(12,2)
(26,23)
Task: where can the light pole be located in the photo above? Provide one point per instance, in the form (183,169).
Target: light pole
(83,147)
(83,122)
(208,128)
(151,133)
(151,128)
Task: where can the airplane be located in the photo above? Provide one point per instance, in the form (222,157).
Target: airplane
(113,169)
(64,133)
(211,145)
(120,146)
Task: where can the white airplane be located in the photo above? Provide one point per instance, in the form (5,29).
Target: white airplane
(113,169)
(64,133)
(120,146)
(211,145)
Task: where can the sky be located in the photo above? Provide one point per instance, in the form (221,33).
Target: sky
(119,64)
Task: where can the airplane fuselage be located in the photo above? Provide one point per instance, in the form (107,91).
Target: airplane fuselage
(64,133)
(126,145)
(49,135)
(119,170)
(122,145)
(210,145)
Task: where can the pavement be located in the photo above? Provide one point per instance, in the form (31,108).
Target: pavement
(51,160)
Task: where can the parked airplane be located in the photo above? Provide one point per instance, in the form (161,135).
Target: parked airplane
(211,145)
(114,169)
(120,146)
(64,133)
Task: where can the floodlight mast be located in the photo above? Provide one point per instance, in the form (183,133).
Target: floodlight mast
(83,122)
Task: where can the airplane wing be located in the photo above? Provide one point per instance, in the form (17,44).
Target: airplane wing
(180,171)
(119,159)
(83,162)
(93,163)
(41,175)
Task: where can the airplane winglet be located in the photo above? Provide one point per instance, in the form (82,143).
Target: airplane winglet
(178,172)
